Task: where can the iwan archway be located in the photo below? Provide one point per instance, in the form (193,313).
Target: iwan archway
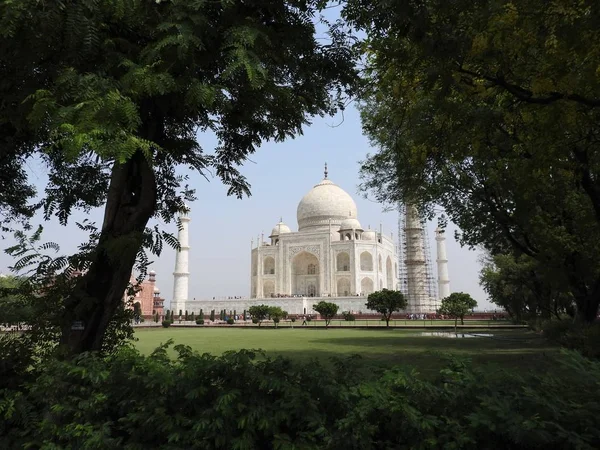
(306,275)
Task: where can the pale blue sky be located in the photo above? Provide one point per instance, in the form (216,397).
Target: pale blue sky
(280,174)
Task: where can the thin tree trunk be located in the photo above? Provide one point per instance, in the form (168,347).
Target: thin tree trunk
(131,202)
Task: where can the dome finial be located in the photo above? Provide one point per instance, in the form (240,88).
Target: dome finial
(280,219)
(326,171)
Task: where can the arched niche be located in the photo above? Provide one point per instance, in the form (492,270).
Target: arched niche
(343,262)
(389,273)
(343,287)
(366,261)
(366,286)
(269,266)
(268,289)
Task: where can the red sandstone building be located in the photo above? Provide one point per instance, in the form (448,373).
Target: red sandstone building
(148,296)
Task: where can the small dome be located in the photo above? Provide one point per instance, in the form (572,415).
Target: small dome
(152,272)
(350,224)
(368,235)
(280,228)
(156,290)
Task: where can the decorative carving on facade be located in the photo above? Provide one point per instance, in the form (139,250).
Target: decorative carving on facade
(314,249)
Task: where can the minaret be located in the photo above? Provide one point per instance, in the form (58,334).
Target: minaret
(182,274)
(442,264)
(416,268)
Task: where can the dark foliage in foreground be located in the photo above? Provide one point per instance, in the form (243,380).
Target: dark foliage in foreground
(243,400)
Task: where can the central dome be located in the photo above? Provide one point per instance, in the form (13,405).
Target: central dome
(323,202)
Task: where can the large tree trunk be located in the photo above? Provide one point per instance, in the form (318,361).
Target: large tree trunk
(131,202)
(587,307)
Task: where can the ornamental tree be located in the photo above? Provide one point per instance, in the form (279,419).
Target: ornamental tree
(457,305)
(110,96)
(276,314)
(259,312)
(497,124)
(386,302)
(326,310)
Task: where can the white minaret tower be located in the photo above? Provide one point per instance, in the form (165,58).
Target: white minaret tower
(416,267)
(181,275)
(442,264)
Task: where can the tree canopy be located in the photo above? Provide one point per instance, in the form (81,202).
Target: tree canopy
(491,110)
(111,96)
(457,305)
(327,311)
(521,286)
(386,302)
(259,312)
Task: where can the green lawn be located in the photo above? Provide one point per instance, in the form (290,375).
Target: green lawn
(515,349)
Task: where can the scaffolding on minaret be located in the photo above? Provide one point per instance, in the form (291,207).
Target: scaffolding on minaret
(415,266)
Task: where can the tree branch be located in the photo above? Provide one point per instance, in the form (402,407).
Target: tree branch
(526,95)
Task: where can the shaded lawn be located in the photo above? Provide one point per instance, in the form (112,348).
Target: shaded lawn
(511,349)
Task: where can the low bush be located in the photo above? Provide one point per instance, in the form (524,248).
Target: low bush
(259,402)
(254,320)
(230,321)
(348,316)
(572,335)
(308,318)
(293,319)
(166,323)
(199,321)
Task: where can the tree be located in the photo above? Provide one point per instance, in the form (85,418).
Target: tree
(186,315)
(201,315)
(259,312)
(137,309)
(493,124)
(457,305)
(168,315)
(276,314)
(112,106)
(212,315)
(386,302)
(326,310)
(192,316)
(16,301)
(521,286)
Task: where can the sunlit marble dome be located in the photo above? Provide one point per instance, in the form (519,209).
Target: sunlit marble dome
(323,202)
(280,228)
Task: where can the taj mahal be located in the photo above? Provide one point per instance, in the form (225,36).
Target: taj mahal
(330,257)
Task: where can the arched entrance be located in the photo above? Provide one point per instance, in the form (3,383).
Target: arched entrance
(306,275)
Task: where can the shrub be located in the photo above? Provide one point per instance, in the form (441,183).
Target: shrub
(199,321)
(254,320)
(230,321)
(348,316)
(575,336)
(293,319)
(256,402)
(166,323)
(308,318)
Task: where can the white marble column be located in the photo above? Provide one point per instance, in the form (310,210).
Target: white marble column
(442,265)
(181,274)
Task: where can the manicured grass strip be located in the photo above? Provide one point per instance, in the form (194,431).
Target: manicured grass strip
(514,349)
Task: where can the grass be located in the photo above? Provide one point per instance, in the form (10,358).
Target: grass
(512,349)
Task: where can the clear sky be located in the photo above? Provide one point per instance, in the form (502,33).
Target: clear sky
(221,227)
